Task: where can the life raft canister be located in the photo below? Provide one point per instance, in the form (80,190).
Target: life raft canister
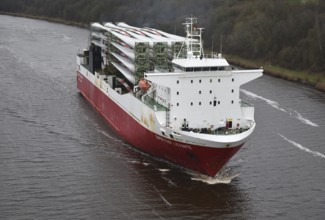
(143,84)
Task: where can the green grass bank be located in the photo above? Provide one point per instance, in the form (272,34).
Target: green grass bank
(315,80)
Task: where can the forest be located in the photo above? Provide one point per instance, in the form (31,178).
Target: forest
(285,33)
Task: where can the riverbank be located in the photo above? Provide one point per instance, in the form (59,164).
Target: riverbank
(315,80)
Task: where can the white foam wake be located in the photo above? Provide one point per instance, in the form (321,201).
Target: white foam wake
(305,120)
(220,178)
(162,197)
(272,103)
(66,38)
(164,170)
(276,105)
(109,136)
(299,146)
(165,200)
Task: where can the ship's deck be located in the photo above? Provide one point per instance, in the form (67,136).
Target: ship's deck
(219,131)
(153,104)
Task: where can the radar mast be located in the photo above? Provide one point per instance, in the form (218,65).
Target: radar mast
(193,38)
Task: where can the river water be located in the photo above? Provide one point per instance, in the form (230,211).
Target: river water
(59,159)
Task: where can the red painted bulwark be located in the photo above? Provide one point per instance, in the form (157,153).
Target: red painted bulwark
(205,160)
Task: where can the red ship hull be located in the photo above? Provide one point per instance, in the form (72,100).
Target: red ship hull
(205,160)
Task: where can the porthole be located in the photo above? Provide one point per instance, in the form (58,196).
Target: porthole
(177,104)
(177,93)
(200,81)
(200,92)
(233,79)
(191,81)
(199,103)
(218,102)
(191,103)
(219,80)
(177,81)
(232,101)
(210,80)
(210,91)
(232,91)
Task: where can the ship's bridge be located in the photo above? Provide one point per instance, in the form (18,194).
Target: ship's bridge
(200,64)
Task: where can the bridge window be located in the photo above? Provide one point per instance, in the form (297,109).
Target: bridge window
(205,69)
(189,69)
(197,69)
(214,68)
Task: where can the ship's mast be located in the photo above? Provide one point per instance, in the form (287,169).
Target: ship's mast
(193,37)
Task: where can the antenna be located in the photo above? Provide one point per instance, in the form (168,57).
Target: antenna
(220,43)
(193,37)
(212,48)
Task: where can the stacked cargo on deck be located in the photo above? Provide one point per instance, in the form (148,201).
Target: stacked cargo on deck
(132,51)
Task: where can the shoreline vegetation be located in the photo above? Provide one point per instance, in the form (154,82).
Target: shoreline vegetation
(315,80)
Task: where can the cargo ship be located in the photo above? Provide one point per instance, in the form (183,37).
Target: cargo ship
(164,96)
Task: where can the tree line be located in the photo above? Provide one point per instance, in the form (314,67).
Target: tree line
(288,33)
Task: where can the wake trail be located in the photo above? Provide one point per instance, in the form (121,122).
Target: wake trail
(162,197)
(109,136)
(165,200)
(304,120)
(299,146)
(276,105)
(222,177)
